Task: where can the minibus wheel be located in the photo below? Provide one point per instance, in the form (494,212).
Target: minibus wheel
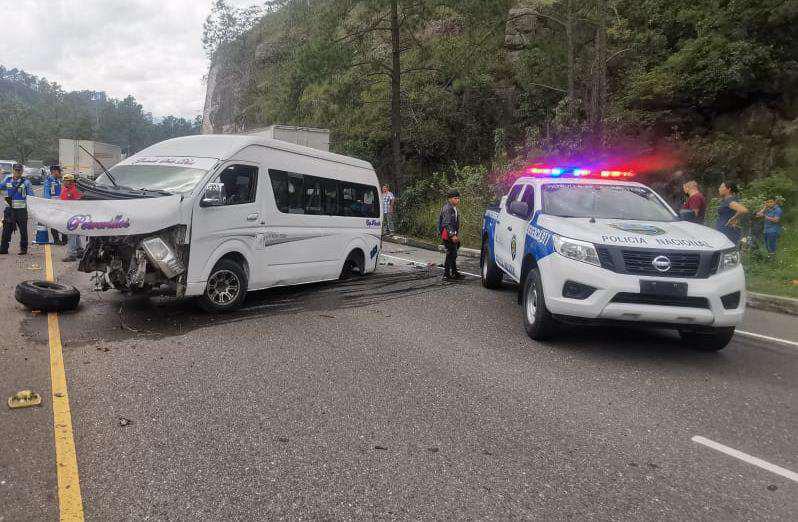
(226,287)
(355,264)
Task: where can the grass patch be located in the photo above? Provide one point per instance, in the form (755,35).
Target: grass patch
(774,276)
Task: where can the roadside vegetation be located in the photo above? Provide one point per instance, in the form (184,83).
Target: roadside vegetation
(35,113)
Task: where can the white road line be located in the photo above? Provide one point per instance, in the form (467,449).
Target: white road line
(766,338)
(416,263)
(778,470)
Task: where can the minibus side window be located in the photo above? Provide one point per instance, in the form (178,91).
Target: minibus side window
(240,184)
(288,192)
(314,203)
(330,188)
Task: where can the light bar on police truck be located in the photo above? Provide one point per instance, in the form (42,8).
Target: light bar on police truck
(558,172)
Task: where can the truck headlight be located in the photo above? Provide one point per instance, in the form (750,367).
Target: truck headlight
(163,257)
(576,250)
(728,260)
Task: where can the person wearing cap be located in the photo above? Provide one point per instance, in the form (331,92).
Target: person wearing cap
(52,190)
(69,192)
(449,229)
(15,216)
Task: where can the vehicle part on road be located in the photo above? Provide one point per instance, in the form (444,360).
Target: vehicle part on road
(226,287)
(47,296)
(710,340)
(24,399)
(538,322)
(491,275)
(355,264)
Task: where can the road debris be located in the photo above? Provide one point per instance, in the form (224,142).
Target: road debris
(433,449)
(124,422)
(380,448)
(282,439)
(772,487)
(24,399)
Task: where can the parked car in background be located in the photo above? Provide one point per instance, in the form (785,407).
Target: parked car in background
(5,167)
(34,175)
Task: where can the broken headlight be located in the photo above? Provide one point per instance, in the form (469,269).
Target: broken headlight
(163,257)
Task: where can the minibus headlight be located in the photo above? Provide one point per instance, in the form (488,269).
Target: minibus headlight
(576,250)
(728,260)
(163,257)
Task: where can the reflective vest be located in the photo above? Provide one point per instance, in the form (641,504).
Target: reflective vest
(17,190)
(52,187)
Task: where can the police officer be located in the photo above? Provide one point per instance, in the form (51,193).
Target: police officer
(16,190)
(52,190)
(449,229)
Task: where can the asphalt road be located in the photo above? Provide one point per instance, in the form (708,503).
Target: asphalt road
(393,396)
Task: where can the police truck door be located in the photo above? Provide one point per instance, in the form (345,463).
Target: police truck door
(506,245)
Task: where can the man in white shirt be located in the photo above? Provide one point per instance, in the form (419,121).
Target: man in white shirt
(388,209)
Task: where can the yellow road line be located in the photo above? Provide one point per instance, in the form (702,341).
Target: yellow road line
(69,497)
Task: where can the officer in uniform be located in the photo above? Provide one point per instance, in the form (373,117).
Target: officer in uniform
(449,229)
(52,190)
(15,215)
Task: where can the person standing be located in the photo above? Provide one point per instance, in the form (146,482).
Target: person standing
(388,209)
(449,230)
(70,192)
(15,216)
(730,211)
(696,203)
(771,212)
(52,190)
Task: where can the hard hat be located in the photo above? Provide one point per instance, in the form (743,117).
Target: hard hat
(69,177)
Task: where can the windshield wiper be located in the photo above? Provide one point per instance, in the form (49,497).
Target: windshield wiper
(159,191)
(101,165)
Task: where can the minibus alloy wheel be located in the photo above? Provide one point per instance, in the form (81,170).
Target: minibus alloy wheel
(226,288)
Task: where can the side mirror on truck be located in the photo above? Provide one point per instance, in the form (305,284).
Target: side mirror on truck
(215,195)
(687,215)
(519,209)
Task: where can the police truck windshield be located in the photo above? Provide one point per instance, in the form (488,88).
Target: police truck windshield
(604,202)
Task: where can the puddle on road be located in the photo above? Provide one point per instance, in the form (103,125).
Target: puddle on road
(111,316)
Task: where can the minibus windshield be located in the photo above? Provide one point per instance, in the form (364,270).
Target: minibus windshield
(158,177)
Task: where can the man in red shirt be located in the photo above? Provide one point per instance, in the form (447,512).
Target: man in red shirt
(696,203)
(70,192)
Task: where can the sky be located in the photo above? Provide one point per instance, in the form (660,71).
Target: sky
(151,49)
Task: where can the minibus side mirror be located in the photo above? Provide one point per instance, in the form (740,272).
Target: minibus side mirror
(215,195)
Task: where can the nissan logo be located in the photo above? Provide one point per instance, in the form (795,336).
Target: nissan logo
(661,263)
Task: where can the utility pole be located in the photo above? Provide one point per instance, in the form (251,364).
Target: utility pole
(396,93)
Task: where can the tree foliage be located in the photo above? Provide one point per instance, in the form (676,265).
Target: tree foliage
(35,113)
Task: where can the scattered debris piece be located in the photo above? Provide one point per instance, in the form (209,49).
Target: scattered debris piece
(282,439)
(380,448)
(327,316)
(433,449)
(58,394)
(36,312)
(772,487)
(123,422)
(24,399)
(103,348)
(652,465)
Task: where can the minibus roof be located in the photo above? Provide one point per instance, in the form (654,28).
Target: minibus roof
(224,146)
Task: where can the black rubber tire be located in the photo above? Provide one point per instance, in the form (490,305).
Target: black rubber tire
(354,264)
(232,267)
(544,325)
(491,275)
(707,341)
(47,296)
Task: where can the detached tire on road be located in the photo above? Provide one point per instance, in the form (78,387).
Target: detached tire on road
(47,296)
(708,341)
(226,288)
(491,275)
(538,321)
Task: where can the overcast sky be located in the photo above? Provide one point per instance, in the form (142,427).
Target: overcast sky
(151,49)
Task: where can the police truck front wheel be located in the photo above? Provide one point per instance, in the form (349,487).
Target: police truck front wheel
(491,275)
(538,322)
(226,287)
(708,340)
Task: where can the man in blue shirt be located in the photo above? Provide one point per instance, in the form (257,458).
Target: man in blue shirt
(52,190)
(771,212)
(15,215)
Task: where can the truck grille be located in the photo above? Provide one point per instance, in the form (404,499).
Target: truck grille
(640,262)
(661,300)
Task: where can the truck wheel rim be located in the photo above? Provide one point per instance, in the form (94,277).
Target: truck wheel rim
(531,302)
(223,287)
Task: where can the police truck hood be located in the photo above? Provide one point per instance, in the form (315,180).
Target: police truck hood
(675,235)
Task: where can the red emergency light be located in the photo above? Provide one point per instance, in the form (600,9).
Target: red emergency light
(570,172)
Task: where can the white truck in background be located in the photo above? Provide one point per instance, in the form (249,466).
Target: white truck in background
(306,136)
(74,160)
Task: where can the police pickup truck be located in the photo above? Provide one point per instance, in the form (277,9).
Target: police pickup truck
(595,247)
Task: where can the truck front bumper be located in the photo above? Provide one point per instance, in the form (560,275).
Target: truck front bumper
(556,270)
